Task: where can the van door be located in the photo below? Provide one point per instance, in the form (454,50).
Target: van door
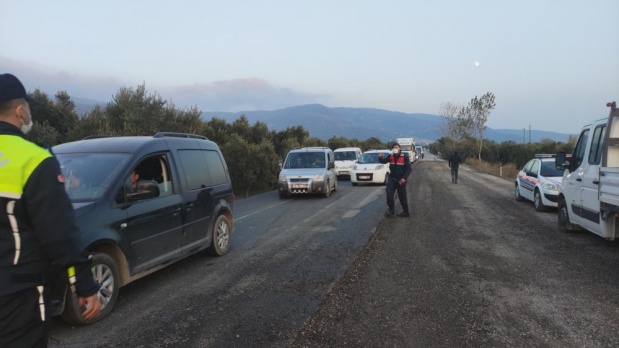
(589,193)
(573,181)
(153,225)
(199,202)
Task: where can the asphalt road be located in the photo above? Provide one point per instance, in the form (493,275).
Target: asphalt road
(471,267)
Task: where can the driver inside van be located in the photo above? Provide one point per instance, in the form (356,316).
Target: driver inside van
(318,161)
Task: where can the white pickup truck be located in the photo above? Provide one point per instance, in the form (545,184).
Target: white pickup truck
(589,193)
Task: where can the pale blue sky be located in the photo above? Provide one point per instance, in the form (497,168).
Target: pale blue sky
(552,64)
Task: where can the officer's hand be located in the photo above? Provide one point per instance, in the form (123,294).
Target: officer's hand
(93,306)
(402,181)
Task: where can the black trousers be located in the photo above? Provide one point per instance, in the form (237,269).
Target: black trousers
(454,174)
(393,186)
(21,325)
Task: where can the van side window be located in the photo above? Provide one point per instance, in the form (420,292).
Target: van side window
(579,150)
(215,167)
(597,145)
(194,168)
(151,174)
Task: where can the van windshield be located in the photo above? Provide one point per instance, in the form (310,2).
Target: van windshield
(344,156)
(371,157)
(300,160)
(88,175)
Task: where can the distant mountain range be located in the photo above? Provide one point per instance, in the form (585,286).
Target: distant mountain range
(361,123)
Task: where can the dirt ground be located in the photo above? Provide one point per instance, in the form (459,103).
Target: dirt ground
(472,267)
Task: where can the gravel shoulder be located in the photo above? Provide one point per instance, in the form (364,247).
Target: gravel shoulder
(471,267)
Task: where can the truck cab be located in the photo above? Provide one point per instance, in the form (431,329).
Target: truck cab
(589,192)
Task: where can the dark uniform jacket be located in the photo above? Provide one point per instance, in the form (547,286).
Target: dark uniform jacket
(37,222)
(399,165)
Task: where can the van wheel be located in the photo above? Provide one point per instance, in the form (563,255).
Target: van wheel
(335,186)
(105,272)
(328,189)
(563,217)
(519,198)
(221,236)
(283,195)
(537,201)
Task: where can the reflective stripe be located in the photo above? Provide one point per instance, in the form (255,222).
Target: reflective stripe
(41,302)
(72,279)
(10,208)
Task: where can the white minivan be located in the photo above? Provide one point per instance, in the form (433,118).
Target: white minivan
(345,157)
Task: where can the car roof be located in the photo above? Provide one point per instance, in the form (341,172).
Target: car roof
(130,144)
(374,151)
(346,149)
(311,149)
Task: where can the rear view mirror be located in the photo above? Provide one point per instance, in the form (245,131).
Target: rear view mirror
(561,161)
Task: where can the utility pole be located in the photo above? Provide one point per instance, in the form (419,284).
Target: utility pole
(524,135)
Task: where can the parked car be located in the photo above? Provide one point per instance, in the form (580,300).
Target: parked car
(539,181)
(181,203)
(369,170)
(308,170)
(345,157)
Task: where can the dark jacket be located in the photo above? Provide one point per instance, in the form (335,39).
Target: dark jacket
(37,222)
(454,161)
(399,165)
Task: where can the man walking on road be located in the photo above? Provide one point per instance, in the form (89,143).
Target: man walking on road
(37,229)
(400,169)
(454,163)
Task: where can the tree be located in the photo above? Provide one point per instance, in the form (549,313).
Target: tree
(479,111)
(453,126)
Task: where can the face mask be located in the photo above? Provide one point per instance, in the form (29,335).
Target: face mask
(395,151)
(25,128)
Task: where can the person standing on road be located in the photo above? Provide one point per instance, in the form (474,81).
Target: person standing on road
(37,229)
(454,163)
(400,169)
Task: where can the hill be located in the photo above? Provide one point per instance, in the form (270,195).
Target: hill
(362,123)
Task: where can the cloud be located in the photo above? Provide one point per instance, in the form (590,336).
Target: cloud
(227,95)
(245,94)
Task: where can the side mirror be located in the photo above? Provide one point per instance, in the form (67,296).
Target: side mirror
(561,161)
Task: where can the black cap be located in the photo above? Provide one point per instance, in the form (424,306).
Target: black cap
(11,88)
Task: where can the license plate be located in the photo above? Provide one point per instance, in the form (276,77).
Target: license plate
(299,186)
(364,177)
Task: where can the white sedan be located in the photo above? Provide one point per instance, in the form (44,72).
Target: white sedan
(368,169)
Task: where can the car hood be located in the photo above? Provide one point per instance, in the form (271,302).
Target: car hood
(369,166)
(82,208)
(305,172)
(553,179)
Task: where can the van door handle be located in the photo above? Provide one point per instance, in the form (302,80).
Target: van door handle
(596,181)
(578,179)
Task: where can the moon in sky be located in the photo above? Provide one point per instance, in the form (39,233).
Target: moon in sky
(476,64)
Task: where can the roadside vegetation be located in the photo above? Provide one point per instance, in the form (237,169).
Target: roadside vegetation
(254,153)
(463,130)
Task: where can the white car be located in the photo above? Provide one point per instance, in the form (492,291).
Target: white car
(539,182)
(345,157)
(368,169)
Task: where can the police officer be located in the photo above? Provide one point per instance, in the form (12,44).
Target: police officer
(37,229)
(400,169)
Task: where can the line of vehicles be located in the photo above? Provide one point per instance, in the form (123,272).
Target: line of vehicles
(583,185)
(315,170)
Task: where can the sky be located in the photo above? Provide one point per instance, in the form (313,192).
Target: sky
(552,65)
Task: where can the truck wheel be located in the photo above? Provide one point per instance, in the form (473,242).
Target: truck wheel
(105,272)
(519,198)
(221,236)
(537,201)
(563,217)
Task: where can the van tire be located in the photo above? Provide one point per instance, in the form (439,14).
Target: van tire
(328,189)
(563,217)
(220,244)
(106,274)
(335,186)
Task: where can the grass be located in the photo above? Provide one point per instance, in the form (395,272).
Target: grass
(506,171)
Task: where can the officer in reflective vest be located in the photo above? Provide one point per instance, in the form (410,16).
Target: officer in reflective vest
(37,228)
(400,169)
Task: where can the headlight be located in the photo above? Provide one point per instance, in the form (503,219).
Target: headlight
(380,166)
(550,187)
(318,177)
(282,177)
